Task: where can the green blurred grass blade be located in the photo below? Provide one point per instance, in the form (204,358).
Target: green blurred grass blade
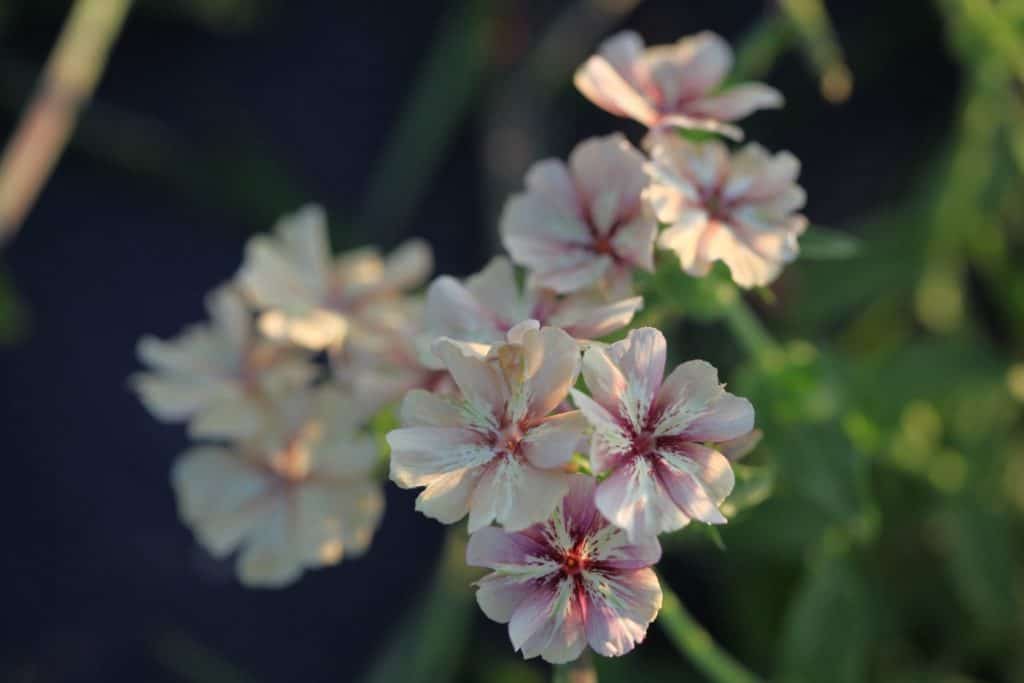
(194,662)
(429,645)
(826,244)
(813,25)
(443,92)
(759,49)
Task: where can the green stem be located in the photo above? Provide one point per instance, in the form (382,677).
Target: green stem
(696,644)
(749,330)
(580,671)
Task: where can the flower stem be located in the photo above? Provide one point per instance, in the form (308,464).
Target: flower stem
(696,644)
(748,329)
(72,71)
(580,671)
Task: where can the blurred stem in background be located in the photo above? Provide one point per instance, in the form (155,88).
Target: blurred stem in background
(429,646)
(72,72)
(696,644)
(580,671)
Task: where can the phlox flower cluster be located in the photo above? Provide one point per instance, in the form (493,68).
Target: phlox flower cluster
(567,456)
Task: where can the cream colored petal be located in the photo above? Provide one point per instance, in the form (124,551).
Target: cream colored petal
(515,494)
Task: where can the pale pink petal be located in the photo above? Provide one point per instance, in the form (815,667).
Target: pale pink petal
(271,558)
(711,468)
(584,317)
(479,382)
(408,266)
(622,50)
(605,381)
(634,241)
(727,418)
(756,174)
(693,66)
(615,626)
(332,521)
(499,549)
(446,498)
(496,289)
(515,494)
(550,179)
(737,102)
(576,271)
(684,239)
(420,454)
(220,496)
(684,396)
(553,442)
(533,620)
(610,440)
(553,363)
(452,311)
(633,498)
(234,417)
(600,83)
(609,173)
(641,359)
(747,267)
(500,596)
(568,634)
(680,478)
(422,408)
(230,315)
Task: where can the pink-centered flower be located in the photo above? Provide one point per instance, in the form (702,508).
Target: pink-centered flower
(569,581)
(739,209)
(318,302)
(495,453)
(671,85)
(488,304)
(579,224)
(214,375)
(649,435)
(298,496)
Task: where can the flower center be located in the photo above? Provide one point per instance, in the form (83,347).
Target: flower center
(508,439)
(644,443)
(603,245)
(573,562)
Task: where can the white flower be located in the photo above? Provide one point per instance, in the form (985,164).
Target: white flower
(317,302)
(214,374)
(300,496)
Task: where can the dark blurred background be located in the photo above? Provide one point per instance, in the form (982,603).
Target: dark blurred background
(215,116)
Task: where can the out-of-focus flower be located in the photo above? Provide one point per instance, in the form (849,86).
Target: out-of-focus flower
(671,85)
(299,496)
(569,581)
(488,304)
(384,374)
(317,302)
(739,210)
(495,452)
(578,224)
(215,374)
(649,435)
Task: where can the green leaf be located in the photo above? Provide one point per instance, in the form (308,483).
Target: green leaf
(828,627)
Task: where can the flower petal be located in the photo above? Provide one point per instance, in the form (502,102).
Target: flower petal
(622,606)
(633,498)
(553,442)
(446,498)
(727,418)
(421,454)
(515,494)
(737,102)
(685,395)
